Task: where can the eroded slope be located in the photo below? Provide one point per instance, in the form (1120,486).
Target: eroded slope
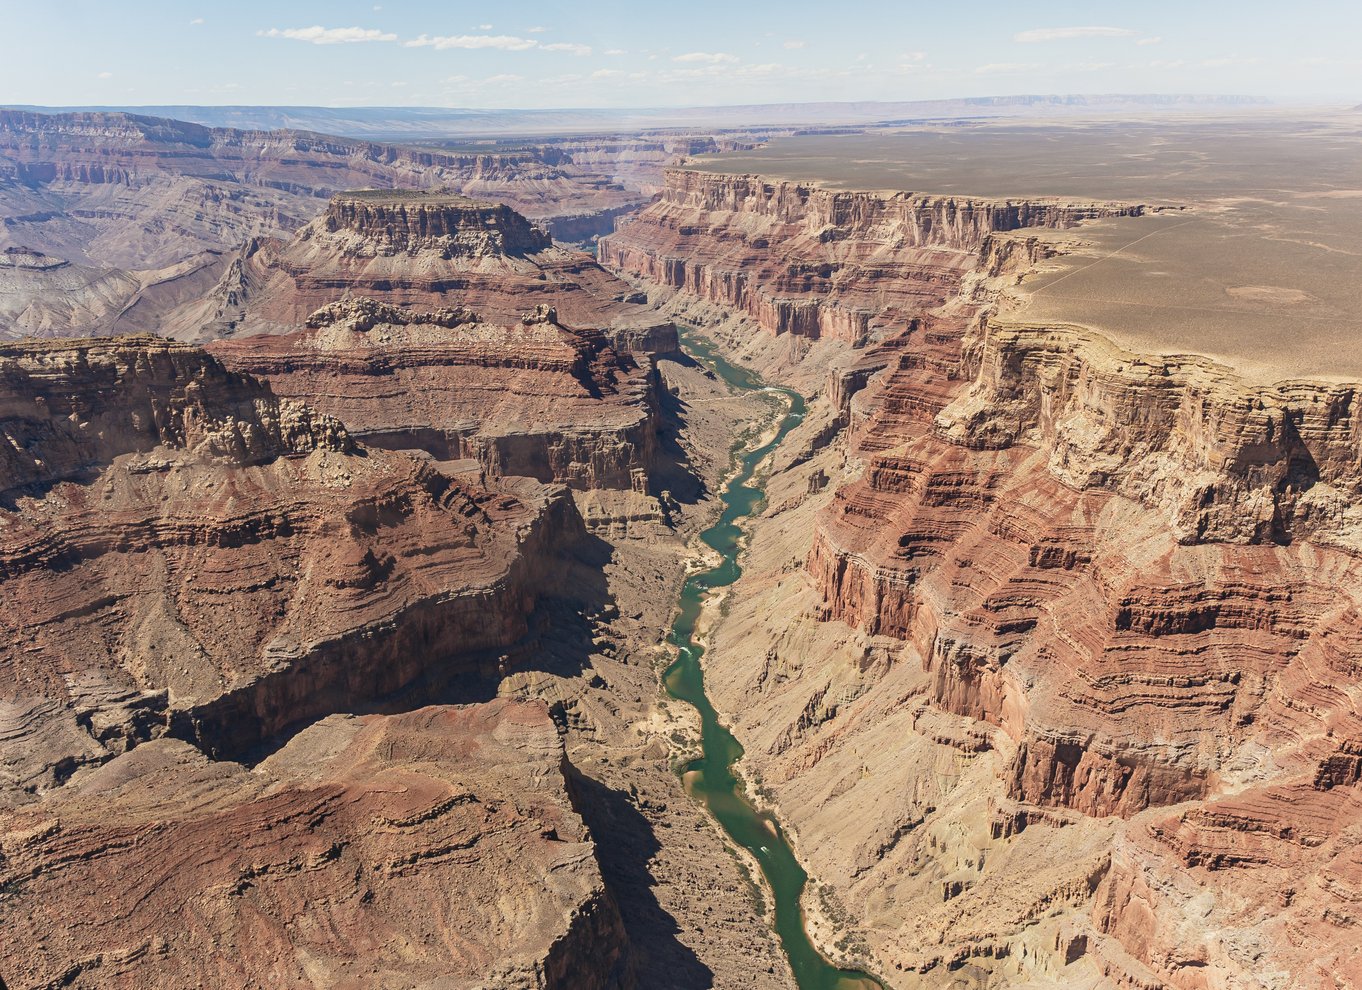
(439,846)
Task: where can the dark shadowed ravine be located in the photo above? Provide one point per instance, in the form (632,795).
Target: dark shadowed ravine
(711,779)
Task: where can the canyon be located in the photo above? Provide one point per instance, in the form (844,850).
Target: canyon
(1020,548)
(1062,689)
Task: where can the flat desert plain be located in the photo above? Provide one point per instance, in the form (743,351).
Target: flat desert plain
(1246,255)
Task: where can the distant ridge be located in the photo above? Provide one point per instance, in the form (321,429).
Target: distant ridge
(413,123)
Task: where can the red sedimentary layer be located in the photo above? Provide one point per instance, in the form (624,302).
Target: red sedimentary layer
(813,262)
(71,150)
(532,399)
(429,252)
(438,846)
(183,551)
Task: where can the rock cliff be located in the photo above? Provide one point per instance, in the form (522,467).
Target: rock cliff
(532,399)
(185,553)
(812,262)
(439,846)
(159,185)
(428,251)
(150,212)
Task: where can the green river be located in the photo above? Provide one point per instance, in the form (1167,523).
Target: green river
(710,779)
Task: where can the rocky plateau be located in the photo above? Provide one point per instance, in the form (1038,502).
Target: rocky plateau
(351,857)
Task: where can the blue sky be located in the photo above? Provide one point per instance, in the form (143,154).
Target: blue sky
(680,53)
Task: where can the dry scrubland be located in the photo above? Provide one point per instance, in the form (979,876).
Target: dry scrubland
(1247,255)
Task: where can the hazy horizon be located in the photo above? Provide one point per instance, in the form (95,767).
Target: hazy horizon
(539,56)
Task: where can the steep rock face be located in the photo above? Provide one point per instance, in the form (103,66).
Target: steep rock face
(812,262)
(1227,461)
(532,399)
(428,252)
(1104,603)
(1257,889)
(457,227)
(436,846)
(184,552)
(1146,528)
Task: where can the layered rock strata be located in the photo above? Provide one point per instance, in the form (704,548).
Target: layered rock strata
(144,188)
(183,552)
(427,252)
(532,399)
(149,212)
(436,847)
(812,262)
(1104,602)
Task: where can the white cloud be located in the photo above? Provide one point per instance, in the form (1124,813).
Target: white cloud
(913,56)
(1069,33)
(484,27)
(999,67)
(614,51)
(319,35)
(197,20)
(606,73)
(714,58)
(567,46)
(503,78)
(106,75)
(793,43)
(537,29)
(1148,41)
(505,42)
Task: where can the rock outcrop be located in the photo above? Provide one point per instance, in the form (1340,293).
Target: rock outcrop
(429,251)
(436,847)
(184,553)
(533,399)
(147,188)
(149,213)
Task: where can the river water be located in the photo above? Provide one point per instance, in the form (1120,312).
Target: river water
(710,779)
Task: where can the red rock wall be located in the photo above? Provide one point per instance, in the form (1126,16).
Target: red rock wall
(434,846)
(533,399)
(183,551)
(813,262)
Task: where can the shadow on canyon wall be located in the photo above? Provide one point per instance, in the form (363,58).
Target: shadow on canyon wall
(671,471)
(625,845)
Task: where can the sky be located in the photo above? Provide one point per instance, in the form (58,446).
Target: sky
(545,54)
